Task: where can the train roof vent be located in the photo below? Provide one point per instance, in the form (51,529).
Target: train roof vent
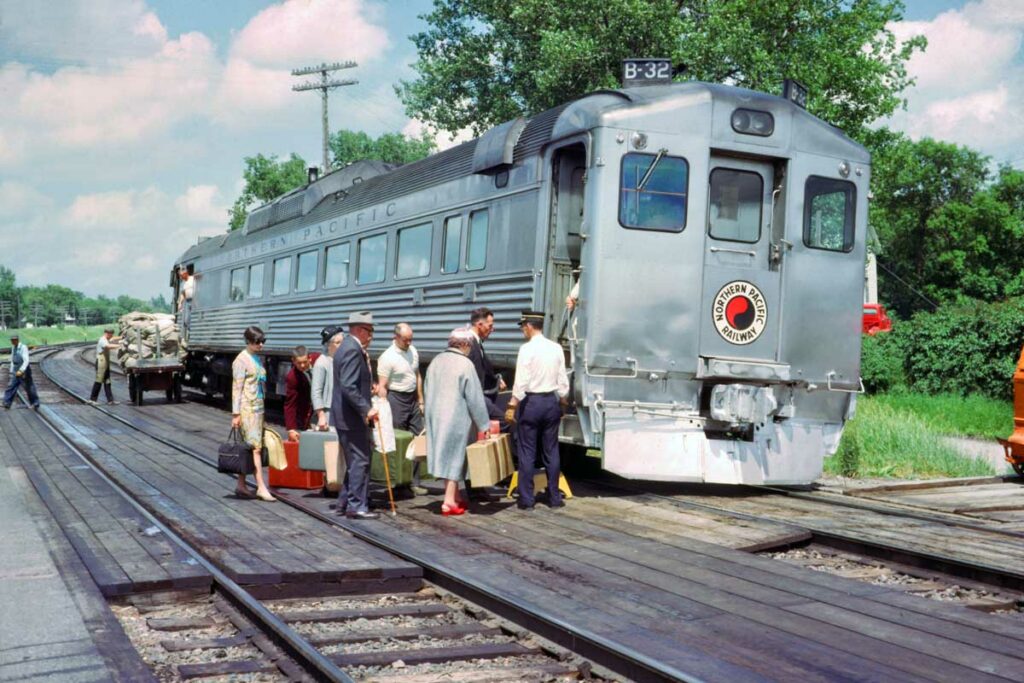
(280,210)
(495,149)
(538,132)
(342,179)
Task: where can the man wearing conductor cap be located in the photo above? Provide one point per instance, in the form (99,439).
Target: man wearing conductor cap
(538,394)
(354,414)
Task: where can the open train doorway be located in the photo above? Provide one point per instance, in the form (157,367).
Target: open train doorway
(565,238)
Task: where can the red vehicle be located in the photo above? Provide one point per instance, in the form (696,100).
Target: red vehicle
(875,319)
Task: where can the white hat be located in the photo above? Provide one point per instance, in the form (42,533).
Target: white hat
(361,318)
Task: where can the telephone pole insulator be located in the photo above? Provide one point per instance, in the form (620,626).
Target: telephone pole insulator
(323,85)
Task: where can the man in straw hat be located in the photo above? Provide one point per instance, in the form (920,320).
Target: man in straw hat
(354,415)
(540,390)
(106,342)
(21,373)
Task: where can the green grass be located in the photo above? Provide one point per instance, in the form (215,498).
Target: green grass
(976,416)
(37,336)
(889,439)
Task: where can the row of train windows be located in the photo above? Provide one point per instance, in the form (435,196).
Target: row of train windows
(656,200)
(412,260)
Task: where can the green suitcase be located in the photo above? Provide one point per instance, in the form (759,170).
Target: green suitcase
(400,468)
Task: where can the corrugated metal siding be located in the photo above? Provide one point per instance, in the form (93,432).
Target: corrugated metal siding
(291,322)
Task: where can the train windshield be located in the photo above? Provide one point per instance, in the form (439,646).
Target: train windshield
(734,211)
(829,213)
(658,204)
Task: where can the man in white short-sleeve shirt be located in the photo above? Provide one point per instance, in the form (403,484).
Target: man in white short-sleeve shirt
(398,371)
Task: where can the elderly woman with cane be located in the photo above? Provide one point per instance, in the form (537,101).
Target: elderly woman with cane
(248,388)
(454,403)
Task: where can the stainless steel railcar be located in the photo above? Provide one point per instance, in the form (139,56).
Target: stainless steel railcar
(718,235)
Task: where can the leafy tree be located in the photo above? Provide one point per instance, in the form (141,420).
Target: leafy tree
(348,146)
(482,62)
(265,179)
(945,230)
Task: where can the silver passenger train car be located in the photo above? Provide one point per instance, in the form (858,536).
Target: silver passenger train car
(717,235)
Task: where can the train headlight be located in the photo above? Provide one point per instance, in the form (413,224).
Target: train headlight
(753,122)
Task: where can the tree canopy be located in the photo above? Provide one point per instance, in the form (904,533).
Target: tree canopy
(348,146)
(54,304)
(482,62)
(266,178)
(947,226)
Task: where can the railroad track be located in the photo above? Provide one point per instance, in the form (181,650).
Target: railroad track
(452,619)
(827,548)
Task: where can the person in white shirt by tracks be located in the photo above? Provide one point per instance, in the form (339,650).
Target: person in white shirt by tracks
(538,395)
(103,347)
(21,373)
(400,381)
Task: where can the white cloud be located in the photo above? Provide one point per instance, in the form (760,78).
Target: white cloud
(19,199)
(970,80)
(415,128)
(202,204)
(306,32)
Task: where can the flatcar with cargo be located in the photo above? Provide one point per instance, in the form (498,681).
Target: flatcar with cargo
(717,235)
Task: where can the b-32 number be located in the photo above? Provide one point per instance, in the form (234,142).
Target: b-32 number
(646,70)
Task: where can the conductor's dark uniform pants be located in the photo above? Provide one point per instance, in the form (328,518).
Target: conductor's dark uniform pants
(539,416)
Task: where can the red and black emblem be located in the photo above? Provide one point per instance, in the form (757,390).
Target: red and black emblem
(739,312)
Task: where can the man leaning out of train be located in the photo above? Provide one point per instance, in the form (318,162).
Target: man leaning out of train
(248,389)
(298,405)
(400,381)
(539,393)
(455,403)
(323,376)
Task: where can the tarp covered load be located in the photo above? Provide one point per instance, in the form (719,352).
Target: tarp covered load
(151,329)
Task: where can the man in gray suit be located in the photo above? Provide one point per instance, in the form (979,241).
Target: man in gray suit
(354,414)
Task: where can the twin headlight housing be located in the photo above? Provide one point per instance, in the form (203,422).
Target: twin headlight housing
(753,122)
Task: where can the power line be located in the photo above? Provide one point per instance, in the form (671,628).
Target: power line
(325,84)
(906,284)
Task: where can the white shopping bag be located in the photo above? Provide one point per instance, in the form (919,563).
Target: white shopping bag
(386,425)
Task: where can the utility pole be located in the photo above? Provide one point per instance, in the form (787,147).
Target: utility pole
(36,308)
(323,86)
(6,313)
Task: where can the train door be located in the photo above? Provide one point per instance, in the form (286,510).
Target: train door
(741,289)
(568,177)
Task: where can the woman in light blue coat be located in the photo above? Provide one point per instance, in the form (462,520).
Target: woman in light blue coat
(454,404)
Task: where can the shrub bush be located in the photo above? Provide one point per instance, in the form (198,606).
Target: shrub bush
(882,358)
(964,350)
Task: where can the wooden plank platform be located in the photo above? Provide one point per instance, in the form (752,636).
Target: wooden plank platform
(252,541)
(121,549)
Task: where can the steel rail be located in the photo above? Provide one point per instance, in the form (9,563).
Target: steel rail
(298,648)
(584,642)
(1000,576)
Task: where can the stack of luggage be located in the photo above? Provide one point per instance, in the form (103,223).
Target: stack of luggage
(143,334)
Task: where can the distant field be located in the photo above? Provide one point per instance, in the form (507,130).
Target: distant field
(37,336)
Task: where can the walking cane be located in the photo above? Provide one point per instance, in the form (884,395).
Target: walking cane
(387,470)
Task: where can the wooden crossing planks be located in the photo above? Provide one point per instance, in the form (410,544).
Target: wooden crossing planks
(106,532)
(764,616)
(254,542)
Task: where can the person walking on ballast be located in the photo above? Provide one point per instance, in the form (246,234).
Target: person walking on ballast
(354,415)
(21,373)
(107,342)
(539,393)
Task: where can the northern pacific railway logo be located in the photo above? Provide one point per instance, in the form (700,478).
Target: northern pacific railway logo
(739,312)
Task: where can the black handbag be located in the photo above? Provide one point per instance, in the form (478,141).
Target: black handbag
(234,456)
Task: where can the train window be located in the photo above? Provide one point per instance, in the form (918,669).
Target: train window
(306,279)
(414,251)
(734,205)
(828,213)
(237,292)
(661,203)
(372,264)
(256,281)
(452,247)
(476,250)
(282,276)
(336,272)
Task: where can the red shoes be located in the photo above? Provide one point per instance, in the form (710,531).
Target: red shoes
(452,511)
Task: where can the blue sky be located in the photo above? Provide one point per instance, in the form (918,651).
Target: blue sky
(124,122)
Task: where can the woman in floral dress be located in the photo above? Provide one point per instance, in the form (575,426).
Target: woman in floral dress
(248,387)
